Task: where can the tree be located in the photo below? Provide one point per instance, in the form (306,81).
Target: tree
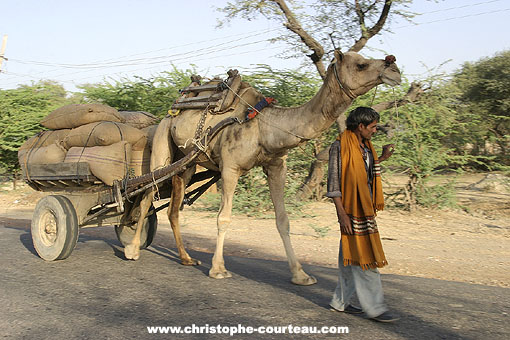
(421,128)
(354,25)
(21,110)
(484,102)
(155,95)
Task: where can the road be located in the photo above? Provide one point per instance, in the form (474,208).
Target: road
(96,294)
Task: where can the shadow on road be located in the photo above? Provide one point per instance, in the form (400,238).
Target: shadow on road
(93,292)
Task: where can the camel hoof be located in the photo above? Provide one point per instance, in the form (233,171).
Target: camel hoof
(191,262)
(304,281)
(219,274)
(131,252)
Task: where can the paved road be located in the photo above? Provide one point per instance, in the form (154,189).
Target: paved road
(96,294)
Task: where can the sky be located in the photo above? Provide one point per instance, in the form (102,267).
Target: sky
(75,42)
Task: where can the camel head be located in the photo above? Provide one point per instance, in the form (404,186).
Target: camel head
(356,75)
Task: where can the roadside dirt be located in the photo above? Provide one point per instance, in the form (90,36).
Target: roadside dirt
(470,245)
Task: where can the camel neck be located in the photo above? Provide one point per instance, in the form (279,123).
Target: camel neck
(285,128)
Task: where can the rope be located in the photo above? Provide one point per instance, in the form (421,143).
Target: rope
(396,112)
(259,113)
(199,134)
(373,97)
(346,90)
(156,196)
(31,148)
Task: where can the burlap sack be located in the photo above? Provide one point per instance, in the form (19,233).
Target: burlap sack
(44,138)
(149,132)
(53,153)
(108,163)
(140,162)
(104,133)
(74,115)
(138,119)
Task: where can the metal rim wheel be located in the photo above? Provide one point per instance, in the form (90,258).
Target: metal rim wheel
(125,233)
(54,228)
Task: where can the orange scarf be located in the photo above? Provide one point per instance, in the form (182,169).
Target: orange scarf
(364,247)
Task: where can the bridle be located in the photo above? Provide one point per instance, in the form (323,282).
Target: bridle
(346,90)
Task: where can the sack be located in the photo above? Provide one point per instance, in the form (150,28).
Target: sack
(150,131)
(138,119)
(53,153)
(140,162)
(108,163)
(44,138)
(74,115)
(104,133)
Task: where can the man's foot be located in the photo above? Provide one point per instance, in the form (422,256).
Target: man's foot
(349,309)
(386,317)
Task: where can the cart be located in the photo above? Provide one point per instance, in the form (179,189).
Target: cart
(78,199)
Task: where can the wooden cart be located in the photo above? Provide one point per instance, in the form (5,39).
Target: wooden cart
(81,200)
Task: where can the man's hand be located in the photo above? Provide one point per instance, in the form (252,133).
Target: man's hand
(345,224)
(387,151)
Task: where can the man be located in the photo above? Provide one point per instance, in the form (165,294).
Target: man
(354,184)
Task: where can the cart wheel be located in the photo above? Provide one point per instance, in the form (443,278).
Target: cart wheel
(125,233)
(54,228)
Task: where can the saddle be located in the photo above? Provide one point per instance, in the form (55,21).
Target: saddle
(217,94)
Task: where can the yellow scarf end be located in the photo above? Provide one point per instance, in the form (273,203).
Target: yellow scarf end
(365,266)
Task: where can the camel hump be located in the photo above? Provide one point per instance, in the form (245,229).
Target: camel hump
(218,95)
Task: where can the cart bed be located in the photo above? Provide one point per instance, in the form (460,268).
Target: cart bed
(47,177)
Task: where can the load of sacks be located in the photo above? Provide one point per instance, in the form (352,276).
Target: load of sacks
(116,144)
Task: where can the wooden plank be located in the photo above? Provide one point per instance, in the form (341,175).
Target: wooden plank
(213,97)
(200,88)
(197,105)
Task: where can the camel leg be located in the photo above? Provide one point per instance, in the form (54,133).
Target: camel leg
(276,178)
(132,250)
(177,196)
(229,182)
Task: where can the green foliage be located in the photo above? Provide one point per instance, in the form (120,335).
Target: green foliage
(420,150)
(252,198)
(155,95)
(288,87)
(21,110)
(484,102)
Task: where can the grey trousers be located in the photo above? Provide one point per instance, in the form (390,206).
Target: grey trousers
(367,285)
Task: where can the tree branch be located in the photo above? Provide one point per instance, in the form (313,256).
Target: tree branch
(293,25)
(415,90)
(366,34)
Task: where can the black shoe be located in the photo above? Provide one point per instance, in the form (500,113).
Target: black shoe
(349,309)
(386,317)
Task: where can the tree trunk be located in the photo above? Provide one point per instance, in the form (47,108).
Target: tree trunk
(312,187)
(15,181)
(410,190)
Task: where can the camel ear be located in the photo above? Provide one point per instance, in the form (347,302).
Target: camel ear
(339,56)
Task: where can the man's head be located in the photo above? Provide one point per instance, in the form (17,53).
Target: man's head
(364,120)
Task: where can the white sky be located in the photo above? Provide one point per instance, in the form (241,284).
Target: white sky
(75,41)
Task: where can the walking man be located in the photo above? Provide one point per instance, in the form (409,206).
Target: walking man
(354,184)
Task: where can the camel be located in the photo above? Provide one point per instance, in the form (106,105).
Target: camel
(262,141)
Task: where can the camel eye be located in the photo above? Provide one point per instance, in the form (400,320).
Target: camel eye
(361,67)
